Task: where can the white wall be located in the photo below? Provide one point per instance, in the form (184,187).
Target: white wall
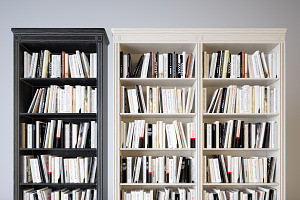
(142,14)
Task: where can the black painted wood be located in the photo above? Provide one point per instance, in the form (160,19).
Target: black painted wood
(88,40)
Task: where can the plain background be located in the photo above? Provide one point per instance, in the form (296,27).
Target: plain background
(146,14)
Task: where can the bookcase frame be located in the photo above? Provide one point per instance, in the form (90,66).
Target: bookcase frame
(57,40)
(203,39)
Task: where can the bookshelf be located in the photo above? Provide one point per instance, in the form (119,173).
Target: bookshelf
(198,40)
(56,40)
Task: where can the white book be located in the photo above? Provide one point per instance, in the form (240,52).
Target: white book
(160,66)
(94,169)
(209,136)
(183,100)
(165,55)
(217,123)
(217,170)
(265,66)
(129,169)
(179,169)
(275,63)
(192,66)
(94,140)
(144,66)
(95,65)
(275,100)
(74,135)
(184,57)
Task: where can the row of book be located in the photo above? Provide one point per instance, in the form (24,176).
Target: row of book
(56,169)
(59,134)
(230,169)
(160,194)
(243,65)
(261,193)
(238,134)
(69,99)
(156,65)
(60,194)
(163,169)
(139,134)
(159,100)
(64,65)
(245,99)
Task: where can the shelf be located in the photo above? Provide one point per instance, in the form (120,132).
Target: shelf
(41,82)
(58,149)
(223,82)
(239,115)
(87,152)
(242,149)
(60,115)
(159,184)
(174,82)
(155,115)
(60,185)
(240,184)
(157,149)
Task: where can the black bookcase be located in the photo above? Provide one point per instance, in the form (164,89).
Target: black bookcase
(89,40)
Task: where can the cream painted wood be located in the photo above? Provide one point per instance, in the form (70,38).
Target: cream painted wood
(140,40)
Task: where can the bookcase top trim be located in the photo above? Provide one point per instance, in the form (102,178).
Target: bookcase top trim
(117,31)
(61,31)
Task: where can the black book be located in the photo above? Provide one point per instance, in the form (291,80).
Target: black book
(242,138)
(88,139)
(150,66)
(218,65)
(126,102)
(45,135)
(49,66)
(216,197)
(33,136)
(214,136)
(156,65)
(124,170)
(182,175)
(221,63)
(174,65)
(229,67)
(243,174)
(139,100)
(205,135)
(160,102)
(177,196)
(128,75)
(267,136)
(170,59)
(121,64)
(41,168)
(249,135)
(43,132)
(233,141)
(41,55)
(241,65)
(223,99)
(188,173)
(138,67)
(221,169)
(224,134)
(149,130)
(147,170)
(157,195)
(221,125)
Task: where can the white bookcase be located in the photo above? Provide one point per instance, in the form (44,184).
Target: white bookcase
(198,40)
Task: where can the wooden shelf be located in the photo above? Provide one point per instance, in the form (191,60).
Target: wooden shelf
(223,82)
(239,115)
(157,115)
(240,184)
(42,82)
(242,149)
(60,115)
(174,82)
